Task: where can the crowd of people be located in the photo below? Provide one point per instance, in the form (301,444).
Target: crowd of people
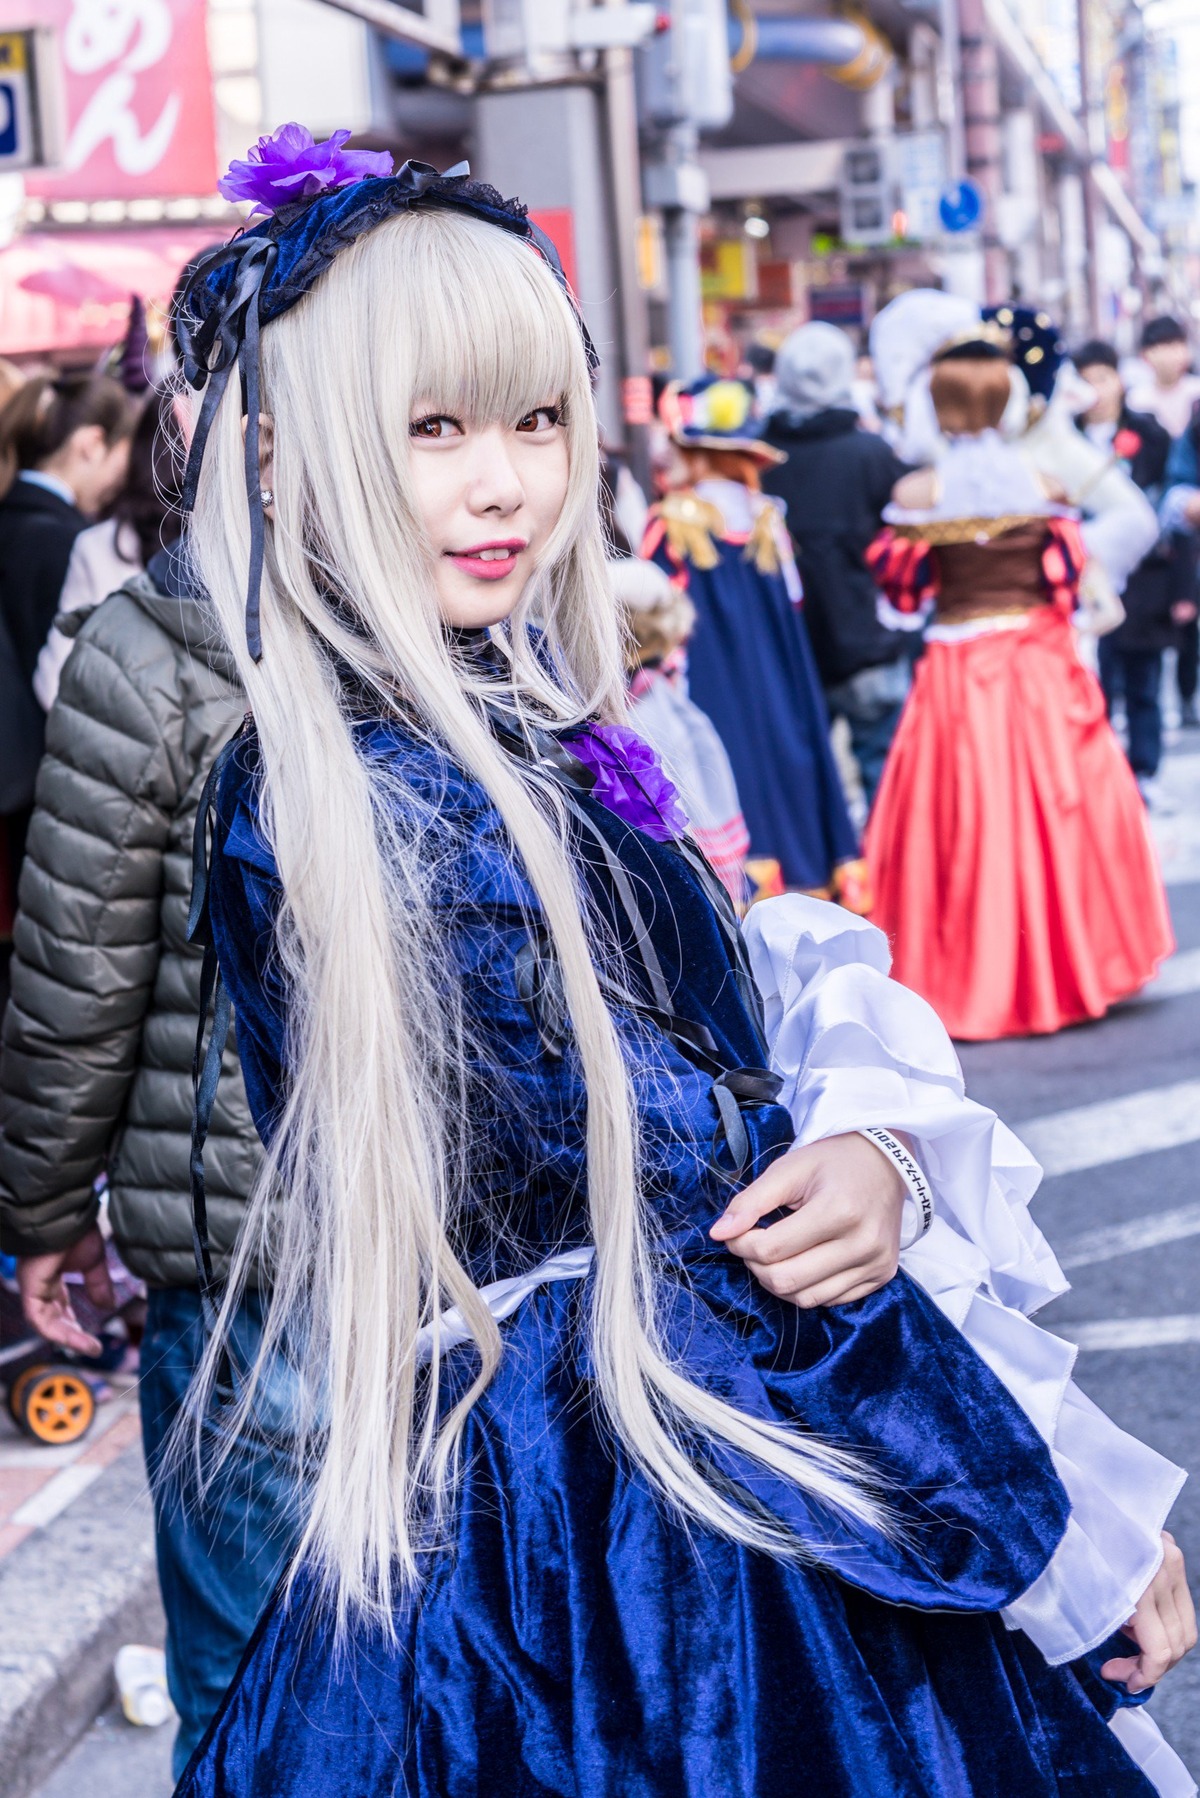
(1008,533)
(527,1381)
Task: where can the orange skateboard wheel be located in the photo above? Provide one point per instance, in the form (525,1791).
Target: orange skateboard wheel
(52,1404)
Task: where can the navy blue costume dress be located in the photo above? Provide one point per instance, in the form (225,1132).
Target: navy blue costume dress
(751,669)
(571,1638)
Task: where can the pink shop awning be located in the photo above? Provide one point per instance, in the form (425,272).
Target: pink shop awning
(65,292)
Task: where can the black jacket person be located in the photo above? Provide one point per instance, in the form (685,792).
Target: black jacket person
(67,441)
(1160,589)
(835,483)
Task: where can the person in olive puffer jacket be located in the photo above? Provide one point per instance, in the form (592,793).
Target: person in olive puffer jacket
(96,1064)
(95,1075)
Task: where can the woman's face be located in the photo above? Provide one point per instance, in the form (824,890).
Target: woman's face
(1109,390)
(489,497)
(1170,361)
(92,468)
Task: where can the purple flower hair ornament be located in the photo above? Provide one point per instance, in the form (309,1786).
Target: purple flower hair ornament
(289,166)
(630,781)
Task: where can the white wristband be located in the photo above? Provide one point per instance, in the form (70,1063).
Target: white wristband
(910,1169)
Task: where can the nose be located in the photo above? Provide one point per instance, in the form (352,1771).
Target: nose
(494,487)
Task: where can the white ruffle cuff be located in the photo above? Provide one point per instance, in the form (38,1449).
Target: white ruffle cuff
(855,1048)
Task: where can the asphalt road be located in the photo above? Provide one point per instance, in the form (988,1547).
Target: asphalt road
(1116,1106)
(114,1760)
(1113,1111)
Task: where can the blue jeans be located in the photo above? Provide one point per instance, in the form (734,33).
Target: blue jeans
(1138,674)
(871,703)
(219,1556)
(1188,665)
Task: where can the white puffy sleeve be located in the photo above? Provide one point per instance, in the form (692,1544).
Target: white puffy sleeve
(1119,523)
(855,1048)
(1120,526)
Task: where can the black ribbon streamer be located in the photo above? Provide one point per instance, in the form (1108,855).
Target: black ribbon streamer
(229,337)
(206,1056)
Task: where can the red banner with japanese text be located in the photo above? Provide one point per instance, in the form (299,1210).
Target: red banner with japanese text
(138,98)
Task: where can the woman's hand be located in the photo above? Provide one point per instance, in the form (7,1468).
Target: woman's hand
(842,1241)
(46,1298)
(1163,1627)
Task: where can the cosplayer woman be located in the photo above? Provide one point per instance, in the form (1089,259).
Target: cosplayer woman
(750,664)
(593,1506)
(1013,866)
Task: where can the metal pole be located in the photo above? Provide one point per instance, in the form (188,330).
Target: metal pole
(681,231)
(950,91)
(980,81)
(676,184)
(1091,199)
(625,183)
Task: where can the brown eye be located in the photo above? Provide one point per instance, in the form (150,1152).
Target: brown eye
(435,426)
(543,419)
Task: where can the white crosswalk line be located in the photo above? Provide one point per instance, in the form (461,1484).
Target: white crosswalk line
(1179,975)
(54,1497)
(1149,1232)
(1132,1332)
(1115,1129)
(1178,834)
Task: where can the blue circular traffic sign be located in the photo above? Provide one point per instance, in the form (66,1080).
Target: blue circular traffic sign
(961,206)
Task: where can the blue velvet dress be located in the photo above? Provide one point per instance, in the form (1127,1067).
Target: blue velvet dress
(572,1639)
(751,669)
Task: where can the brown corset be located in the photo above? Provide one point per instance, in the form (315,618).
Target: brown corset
(981,580)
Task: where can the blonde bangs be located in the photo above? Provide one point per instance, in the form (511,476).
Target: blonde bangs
(502,347)
(477,326)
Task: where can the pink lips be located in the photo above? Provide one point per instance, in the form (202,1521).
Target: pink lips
(490,568)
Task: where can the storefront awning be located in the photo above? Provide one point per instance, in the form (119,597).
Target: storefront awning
(63,292)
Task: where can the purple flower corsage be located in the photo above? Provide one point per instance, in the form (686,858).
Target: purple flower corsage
(289,166)
(630,781)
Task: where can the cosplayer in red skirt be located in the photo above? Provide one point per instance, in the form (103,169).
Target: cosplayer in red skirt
(1013,866)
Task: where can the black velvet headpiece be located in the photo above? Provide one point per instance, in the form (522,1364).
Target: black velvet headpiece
(1037,348)
(238,288)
